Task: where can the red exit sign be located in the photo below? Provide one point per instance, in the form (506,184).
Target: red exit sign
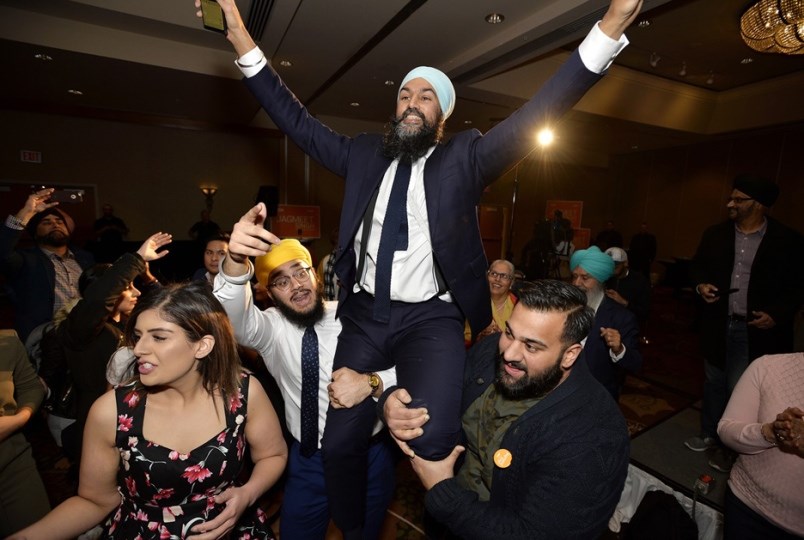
(30,156)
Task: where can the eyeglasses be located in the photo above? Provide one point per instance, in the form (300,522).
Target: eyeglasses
(497,275)
(302,275)
(738,200)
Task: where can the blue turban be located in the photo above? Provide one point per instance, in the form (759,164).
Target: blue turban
(440,83)
(599,265)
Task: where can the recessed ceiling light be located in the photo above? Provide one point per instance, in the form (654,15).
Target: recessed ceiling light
(644,23)
(746,60)
(495,18)
(389,82)
(75,92)
(354,104)
(467,122)
(285,63)
(43,57)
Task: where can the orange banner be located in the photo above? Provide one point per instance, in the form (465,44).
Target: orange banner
(296,221)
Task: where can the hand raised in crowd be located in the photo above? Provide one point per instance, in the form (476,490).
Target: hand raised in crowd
(236,31)
(149,249)
(404,423)
(348,388)
(249,238)
(35,203)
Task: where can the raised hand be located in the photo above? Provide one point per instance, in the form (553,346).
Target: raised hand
(249,238)
(148,249)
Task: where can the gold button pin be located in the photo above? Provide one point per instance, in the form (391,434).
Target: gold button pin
(502,458)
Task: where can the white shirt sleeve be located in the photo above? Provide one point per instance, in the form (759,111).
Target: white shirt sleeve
(252,62)
(598,50)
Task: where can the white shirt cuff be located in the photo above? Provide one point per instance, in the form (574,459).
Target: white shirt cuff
(237,280)
(617,357)
(598,50)
(252,62)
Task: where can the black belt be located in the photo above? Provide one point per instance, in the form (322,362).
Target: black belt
(735,317)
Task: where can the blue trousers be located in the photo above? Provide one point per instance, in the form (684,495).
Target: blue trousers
(305,513)
(719,383)
(425,343)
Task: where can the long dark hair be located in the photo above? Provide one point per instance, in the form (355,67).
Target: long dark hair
(193,308)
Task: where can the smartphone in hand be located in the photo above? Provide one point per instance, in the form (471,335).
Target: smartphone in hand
(719,292)
(212,16)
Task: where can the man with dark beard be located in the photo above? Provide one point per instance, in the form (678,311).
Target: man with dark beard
(279,335)
(44,278)
(410,257)
(546,449)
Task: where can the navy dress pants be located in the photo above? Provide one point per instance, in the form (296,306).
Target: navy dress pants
(425,343)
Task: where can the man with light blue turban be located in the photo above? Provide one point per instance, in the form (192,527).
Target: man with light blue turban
(611,347)
(410,257)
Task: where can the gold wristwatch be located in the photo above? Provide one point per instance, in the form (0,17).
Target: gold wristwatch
(374,382)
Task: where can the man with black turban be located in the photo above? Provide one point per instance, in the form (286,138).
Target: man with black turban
(45,277)
(745,273)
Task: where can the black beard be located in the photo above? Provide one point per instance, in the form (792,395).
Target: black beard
(410,147)
(303,320)
(54,239)
(528,387)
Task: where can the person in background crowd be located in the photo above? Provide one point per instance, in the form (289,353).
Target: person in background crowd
(608,237)
(204,229)
(748,301)
(214,251)
(42,278)
(642,250)
(501,277)
(326,269)
(23,498)
(764,496)
(629,289)
(110,231)
(611,348)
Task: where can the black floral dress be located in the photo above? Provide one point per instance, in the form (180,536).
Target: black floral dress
(166,493)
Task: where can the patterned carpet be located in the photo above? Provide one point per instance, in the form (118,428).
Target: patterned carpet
(671,380)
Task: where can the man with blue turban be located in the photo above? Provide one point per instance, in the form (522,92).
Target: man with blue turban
(410,257)
(611,347)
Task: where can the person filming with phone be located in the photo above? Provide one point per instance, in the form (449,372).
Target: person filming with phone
(42,278)
(742,273)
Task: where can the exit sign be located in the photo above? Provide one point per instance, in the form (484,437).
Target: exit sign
(30,156)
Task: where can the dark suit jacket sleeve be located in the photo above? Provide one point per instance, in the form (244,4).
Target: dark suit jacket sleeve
(629,334)
(10,260)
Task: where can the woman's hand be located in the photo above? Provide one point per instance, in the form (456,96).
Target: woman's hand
(236,500)
(148,249)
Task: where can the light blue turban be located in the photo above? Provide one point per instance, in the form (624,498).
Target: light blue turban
(440,83)
(599,265)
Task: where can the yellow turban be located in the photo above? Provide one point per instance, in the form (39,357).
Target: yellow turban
(288,249)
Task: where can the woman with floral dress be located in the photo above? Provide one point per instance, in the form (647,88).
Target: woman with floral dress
(162,455)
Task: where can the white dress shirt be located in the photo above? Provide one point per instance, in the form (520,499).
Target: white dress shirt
(279,343)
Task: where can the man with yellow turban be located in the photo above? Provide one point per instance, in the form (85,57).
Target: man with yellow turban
(297,341)
(611,347)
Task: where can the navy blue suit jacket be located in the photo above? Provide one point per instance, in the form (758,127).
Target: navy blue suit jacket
(455,175)
(32,279)
(595,353)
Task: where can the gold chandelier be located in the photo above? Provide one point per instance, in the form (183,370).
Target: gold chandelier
(774,26)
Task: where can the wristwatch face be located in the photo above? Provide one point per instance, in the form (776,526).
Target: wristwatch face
(374,380)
